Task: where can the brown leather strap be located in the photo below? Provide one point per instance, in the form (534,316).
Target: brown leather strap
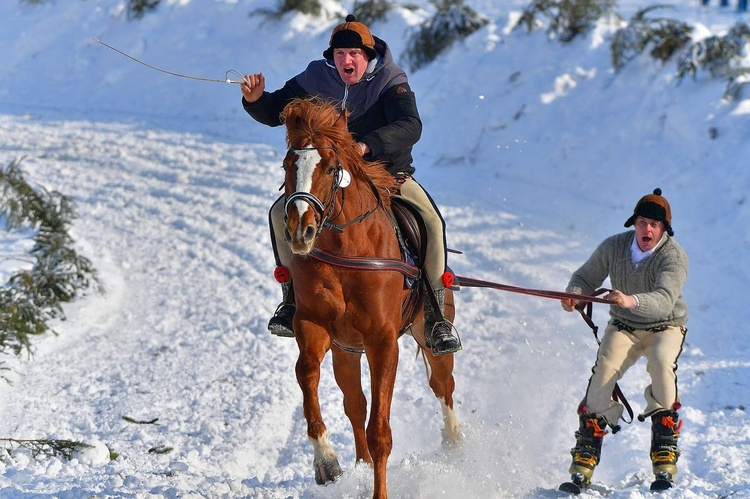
(363,263)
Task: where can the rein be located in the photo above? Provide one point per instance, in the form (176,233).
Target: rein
(172,73)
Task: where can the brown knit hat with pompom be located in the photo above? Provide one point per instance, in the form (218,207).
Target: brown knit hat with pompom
(655,207)
(351,34)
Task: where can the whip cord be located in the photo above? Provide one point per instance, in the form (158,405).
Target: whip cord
(213,80)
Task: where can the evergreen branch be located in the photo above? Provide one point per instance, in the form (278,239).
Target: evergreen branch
(59,274)
(48,447)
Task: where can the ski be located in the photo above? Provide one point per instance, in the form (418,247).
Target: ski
(575,486)
(661,484)
(663,481)
(571,488)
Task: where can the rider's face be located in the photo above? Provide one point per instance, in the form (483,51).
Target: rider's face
(351,64)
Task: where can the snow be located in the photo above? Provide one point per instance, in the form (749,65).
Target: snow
(535,151)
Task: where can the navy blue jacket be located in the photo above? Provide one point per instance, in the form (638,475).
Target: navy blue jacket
(382,107)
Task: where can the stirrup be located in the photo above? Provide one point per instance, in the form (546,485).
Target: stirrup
(441,340)
(281,322)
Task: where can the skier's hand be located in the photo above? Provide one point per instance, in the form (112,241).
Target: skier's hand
(253,87)
(622,300)
(569,304)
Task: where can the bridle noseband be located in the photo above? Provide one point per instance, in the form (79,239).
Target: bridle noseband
(324,209)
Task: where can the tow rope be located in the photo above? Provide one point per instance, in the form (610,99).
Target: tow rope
(585,308)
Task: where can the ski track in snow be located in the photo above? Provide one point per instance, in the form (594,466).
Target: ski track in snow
(542,156)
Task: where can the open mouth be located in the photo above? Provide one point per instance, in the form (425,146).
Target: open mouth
(349,71)
(646,240)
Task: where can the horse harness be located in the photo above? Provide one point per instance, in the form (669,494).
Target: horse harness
(407,224)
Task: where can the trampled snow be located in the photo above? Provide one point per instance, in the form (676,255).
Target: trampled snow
(534,150)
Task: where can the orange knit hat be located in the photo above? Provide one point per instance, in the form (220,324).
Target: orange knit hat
(351,34)
(655,207)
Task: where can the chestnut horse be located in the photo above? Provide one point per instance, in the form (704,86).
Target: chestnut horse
(336,205)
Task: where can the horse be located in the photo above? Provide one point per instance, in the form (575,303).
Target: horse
(350,291)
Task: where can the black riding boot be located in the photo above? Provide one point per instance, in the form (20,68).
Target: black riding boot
(281,322)
(588,448)
(438,335)
(665,430)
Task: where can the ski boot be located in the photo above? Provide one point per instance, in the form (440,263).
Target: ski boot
(665,430)
(438,334)
(281,322)
(586,453)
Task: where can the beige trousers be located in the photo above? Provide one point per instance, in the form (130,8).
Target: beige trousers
(412,193)
(618,351)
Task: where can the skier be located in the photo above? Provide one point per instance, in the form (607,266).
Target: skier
(647,271)
(359,74)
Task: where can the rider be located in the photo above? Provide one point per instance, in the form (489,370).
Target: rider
(359,74)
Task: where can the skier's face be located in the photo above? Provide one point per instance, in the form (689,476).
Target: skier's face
(648,232)
(351,64)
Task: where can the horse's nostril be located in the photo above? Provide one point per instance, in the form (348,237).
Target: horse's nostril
(310,233)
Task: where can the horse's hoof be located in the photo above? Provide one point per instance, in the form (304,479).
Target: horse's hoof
(328,470)
(451,437)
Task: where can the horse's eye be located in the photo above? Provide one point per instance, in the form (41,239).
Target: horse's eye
(330,170)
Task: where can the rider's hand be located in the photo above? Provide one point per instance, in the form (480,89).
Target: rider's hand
(253,87)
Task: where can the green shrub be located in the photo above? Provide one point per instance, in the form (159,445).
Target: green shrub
(136,9)
(311,7)
(665,36)
(453,21)
(720,55)
(567,18)
(369,11)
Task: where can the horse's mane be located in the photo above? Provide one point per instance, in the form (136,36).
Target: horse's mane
(309,119)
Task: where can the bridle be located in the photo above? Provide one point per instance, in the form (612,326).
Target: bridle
(324,209)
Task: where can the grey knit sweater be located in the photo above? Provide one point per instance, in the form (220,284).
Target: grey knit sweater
(657,281)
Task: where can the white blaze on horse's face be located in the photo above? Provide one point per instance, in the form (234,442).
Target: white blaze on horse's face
(307,160)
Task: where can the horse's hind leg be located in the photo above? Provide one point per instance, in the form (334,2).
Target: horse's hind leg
(308,376)
(443,384)
(347,368)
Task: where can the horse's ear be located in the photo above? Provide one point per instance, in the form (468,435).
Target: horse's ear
(341,120)
(291,116)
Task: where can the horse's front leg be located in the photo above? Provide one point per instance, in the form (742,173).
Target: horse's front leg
(308,376)
(347,368)
(383,361)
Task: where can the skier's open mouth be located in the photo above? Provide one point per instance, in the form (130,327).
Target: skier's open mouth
(646,239)
(349,71)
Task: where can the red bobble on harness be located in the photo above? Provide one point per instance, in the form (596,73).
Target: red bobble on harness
(449,278)
(281,274)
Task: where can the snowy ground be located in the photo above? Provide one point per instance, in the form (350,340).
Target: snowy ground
(535,152)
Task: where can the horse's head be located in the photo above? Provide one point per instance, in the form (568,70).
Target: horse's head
(317,137)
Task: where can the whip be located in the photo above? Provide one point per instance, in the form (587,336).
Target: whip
(213,80)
